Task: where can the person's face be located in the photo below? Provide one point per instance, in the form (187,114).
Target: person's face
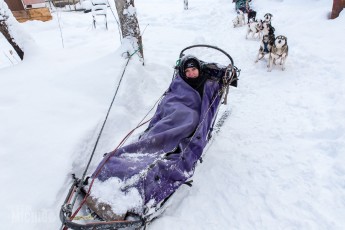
(192,72)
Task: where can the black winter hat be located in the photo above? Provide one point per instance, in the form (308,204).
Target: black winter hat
(187,62)
(191,63)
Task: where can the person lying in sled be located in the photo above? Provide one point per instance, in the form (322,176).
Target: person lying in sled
(165,155)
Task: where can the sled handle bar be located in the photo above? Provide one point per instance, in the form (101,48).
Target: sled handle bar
(208,46)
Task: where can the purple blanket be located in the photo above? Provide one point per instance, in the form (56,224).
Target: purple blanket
(164,157)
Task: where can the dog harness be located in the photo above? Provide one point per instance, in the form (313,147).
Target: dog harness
(266,47)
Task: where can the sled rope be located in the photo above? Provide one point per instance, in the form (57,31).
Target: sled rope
(225,114)
(80,185)
(225,102)
(141,123)
(97,173)
(58,17)
(130,55)
(105,120)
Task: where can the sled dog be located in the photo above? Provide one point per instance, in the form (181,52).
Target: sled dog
(265,48)
(254,27)
(279,52)
(268,17)
(251,14)
(268,29)
(239,20)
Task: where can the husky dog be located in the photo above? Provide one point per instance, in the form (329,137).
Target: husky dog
(279,52)
(265,28)
(268,17)
(251,14)
(239,20)
(265,48)
(254,27)
(268,29)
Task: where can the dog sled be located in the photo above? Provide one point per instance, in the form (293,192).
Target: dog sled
(131,185)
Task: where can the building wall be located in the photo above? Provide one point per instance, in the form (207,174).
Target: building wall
(15,5)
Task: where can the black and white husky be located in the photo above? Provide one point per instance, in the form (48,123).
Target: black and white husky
(279,53)
(254,28)
(251,14)
(268,29)
(268,17)
(265,48)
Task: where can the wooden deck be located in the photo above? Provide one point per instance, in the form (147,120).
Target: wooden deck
(41,14)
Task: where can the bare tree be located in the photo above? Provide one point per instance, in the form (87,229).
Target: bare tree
(5,15)
(129,24)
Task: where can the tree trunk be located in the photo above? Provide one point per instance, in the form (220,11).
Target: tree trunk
(7,35)
(338,6)
(129,24)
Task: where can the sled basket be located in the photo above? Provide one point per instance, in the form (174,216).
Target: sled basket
(160,171)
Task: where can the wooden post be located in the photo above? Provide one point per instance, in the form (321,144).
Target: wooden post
(185,3)
(338,6)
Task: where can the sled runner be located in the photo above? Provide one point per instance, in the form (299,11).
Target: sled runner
(148,171)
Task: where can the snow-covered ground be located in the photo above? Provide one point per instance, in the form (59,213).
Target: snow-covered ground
(277,163)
